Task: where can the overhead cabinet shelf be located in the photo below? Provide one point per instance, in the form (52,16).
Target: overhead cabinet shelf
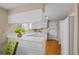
(52,11)
(31,16)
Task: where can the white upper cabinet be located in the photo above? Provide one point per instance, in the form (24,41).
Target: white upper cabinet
(52,11)
(30,16)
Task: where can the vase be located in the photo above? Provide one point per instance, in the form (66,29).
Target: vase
(19,35)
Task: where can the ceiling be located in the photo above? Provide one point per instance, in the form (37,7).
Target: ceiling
(11,5)
(59,10)
(53,10)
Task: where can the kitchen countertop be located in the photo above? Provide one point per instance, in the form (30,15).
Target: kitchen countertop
(29,37)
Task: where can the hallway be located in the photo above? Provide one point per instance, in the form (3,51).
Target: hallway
(53,47)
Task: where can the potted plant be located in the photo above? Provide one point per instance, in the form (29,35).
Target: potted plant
(20,31)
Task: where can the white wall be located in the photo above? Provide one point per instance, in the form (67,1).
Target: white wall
(71,35)
(64,36)
(52,31)
(3,29)
(67,35)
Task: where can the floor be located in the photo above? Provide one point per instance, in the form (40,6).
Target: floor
(53,47)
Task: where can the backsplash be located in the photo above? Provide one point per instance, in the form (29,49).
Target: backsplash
(37,26)
(52,29)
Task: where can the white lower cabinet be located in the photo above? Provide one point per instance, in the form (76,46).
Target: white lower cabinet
(28,51)
(31,48)
(30,45)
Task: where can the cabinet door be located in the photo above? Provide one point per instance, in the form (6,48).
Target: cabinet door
(26,47)
(30,16)
(21,50)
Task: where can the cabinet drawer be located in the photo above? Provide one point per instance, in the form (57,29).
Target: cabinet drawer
(32,44)
(21,51)
(28,51)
